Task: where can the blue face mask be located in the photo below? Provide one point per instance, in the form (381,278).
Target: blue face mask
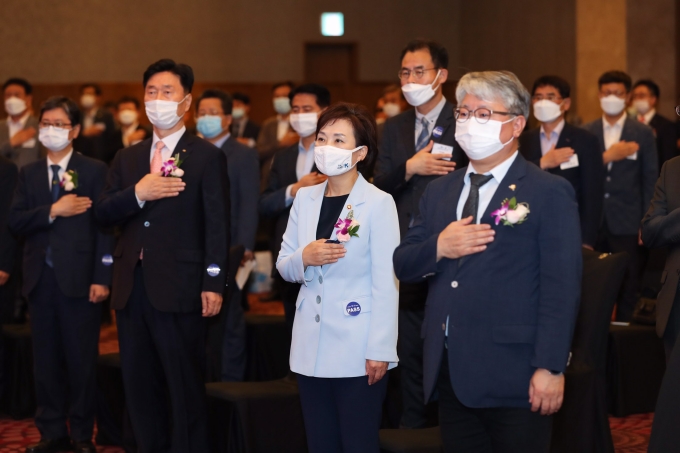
(210,126)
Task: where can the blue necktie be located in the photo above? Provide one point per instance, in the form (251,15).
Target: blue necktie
(55,196)
(424,136)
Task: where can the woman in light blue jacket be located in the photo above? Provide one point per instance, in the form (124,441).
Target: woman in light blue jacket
(338,245)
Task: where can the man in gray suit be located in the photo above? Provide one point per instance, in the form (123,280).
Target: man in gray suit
(629,155)
(18,133)
(213,113)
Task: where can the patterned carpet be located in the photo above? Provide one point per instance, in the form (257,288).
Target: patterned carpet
(630,434)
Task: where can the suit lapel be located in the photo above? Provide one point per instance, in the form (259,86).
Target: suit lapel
(42,180)
(356,198)
(407,133)
(564,140)
(444,121)
(312,214)
(507,187)
(599,132)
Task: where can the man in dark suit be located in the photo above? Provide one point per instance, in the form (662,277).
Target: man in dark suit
(130,131)
(213,113)
(645,99)
(18,132)
(170,263)
(67,274)
(292,169)
(567,151)
(244,130)
(504,279)
(8,181)
(417,147)
(98,137)
(629,155)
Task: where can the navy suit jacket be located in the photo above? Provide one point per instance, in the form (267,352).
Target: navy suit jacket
(629,185)
(81,251)
(587,179)
(511,308)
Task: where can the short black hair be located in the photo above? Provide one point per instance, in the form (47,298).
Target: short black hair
(615,77)
(68,105)
(97,88)
(557,82)
(225,99)
(651,85)
(183,71)
(238,96)
(439,54)
(287,83)
(323,96)
(128,99)
(28,88)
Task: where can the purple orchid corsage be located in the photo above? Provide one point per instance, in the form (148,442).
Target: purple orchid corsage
(170,167)
(511,213)
(347,228)
(69,181)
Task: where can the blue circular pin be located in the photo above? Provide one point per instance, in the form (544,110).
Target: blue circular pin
(213,270)
(107,260)
(438,131)
(353,308)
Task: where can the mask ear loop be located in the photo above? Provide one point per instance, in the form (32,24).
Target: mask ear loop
(513,136)
(435,79)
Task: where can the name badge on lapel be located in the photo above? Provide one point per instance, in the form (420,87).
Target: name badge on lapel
(352,309)
(439,148)
(571,163)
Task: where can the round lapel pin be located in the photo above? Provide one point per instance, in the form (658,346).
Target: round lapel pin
(214,270)
(353,309)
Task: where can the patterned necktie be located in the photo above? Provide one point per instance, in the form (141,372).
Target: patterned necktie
(55,196)
(424,136)
(472,203)
(157,160)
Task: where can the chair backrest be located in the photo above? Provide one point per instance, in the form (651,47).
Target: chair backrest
(602,277)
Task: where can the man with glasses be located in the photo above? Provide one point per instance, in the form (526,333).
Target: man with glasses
(499,244)
(629,155)
(417,147)
(567,151)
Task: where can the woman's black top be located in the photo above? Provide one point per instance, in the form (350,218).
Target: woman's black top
(331,208)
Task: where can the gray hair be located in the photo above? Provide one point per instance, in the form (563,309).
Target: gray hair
(496,86)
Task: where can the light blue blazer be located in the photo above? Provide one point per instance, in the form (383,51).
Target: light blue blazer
(330,339)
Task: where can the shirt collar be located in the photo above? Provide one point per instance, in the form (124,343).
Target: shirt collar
(221,141)
(433,114)
(618,125)
(170,141)
(301,147)
(63,163)
(498,172)
(557,131)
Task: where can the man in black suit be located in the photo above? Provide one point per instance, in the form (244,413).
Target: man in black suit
(8,181)
(213,113)
(170,264)
(629,154)
(292,169)
(244,130)
(67,273)
(567,151)
(98,137)
(129,132)
(417,147)
(645,99)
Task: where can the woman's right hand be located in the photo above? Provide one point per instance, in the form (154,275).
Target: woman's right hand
(319,252)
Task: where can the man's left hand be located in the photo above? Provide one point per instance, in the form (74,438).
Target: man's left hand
(4,276)
(98,293)
(212,302)
(546,392)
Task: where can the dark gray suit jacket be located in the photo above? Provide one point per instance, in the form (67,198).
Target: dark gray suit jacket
(629,185)
(19,155)
(244,182)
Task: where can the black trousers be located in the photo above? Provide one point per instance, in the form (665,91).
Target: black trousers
(410,349)
(612,243)
(488,430)
(162,358)
(342,415)
(234,340)
(65,332)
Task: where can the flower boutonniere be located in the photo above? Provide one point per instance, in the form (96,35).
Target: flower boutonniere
(511,212)
(347,228)
(70,180)
(170,167)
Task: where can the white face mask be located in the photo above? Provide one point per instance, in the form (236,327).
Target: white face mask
(332,161)
(282,105)
(612,105)
(88,100)
(642,106)
(304,123)
(127,117)
(480,141)
(163,114)
(417,94)
(391,109)
(238,112)
(54,138)
(546,111)
(14,105)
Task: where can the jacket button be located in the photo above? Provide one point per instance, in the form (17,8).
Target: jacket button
(444,327)
(454,284)
(609,179)
(318,299)
(317,318)
(320,279)
(606,195)
(146,224)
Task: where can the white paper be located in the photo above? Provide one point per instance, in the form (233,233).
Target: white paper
(633,156)
(244,272)
(439,148)
(28,143)
(571,163)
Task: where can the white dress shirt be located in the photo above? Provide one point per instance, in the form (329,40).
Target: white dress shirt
(547,143)
(63,165)
(647,117)
(431,118)
(282,126)
(168,150)
(612,134)
(127,131)
(303,166)
(16,126)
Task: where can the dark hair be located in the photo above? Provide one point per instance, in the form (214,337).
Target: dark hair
(615,77)
(28,88)
(224,98)
(287,83)
(323,96)
(183,71)
(64,103)
(557,82)
(97,88)
(238,96)
(128,99)
(440,57)
(363,125)
(651,85)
